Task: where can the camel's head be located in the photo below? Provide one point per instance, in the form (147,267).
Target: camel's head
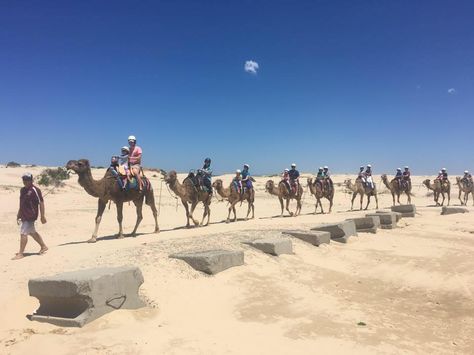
(269,185)
(170,177)
(384,177)
(78,166)
(310,181)
(217,184)
(347,182)
(426,182)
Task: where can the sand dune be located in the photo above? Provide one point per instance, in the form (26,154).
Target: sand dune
(412,287)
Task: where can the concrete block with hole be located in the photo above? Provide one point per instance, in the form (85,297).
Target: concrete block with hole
(211,261)
(388,220)
(340,232)
(72,299)
(452,210)
(366,224)
(273,246)
(405,210)
(309,236)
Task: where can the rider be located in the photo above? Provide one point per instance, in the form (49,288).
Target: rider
(320,177)
(368,176)
(467,179)
(206,175)
(406,176)
(399,177)
(237,181)
(361,175)
(294,177)
(135,160)
(114,166)
(246,180)
(286,179)
(327,178)
(123,164)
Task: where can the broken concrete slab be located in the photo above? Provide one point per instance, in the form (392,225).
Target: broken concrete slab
(340,232)
(211,261)
(405,210)
(273,246)
(452,210)
(72,299)
(388,220)
(309,236)
(366,224)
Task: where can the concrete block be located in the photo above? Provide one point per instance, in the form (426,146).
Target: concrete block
(313,237)
(366,224)
(388,220)
(451,210)
(405,210)
(212,261)
(72,299)
(340,232)
(398,215)
(273,246)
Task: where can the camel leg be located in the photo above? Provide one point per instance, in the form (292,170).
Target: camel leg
(442,202)
(228,215)
(150,201)
(248,209)
(191,213)
(368,202)
(139,206)
(235,213)
(98,218)
(449,197)
(186,208)
(361,200)
(409,197)
(459,197)
(330,204)
(119,219)
(398,198)
(393,197)
(354,194)
(287,206)
(298,206)
(376,201)
(281,205)
(207,212)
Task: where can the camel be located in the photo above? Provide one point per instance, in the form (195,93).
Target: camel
(233,196)
(282,192)
(395,189)
(466,189)
(107,189)
(359,188)
(438,189)
(319,194)
(190,196)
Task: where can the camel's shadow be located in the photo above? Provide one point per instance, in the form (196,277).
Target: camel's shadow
(104,238)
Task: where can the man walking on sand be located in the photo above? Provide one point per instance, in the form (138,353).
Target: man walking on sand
(30,199)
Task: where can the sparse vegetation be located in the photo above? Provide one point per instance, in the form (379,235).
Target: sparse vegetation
(13,164)
(53,177)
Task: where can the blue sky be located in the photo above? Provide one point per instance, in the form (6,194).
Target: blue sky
(341,83)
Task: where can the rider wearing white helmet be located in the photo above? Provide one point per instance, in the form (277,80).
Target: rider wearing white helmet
(467,179)
(135,159)
(237,181)
(246,179)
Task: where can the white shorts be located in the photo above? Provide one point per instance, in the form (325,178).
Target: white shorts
(27,227)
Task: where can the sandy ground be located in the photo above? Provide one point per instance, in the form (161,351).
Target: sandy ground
(412,287)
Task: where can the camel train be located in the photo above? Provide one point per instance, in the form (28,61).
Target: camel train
(109,189)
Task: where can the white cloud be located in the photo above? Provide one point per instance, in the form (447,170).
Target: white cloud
(451,91)
(251,67)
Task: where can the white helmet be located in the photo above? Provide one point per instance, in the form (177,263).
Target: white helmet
(320,168)
(406,167)
(287,170)
(238,171)
(293,165)
(440,172)
(326,167)
(398,169)
(125,148)
(132,138)
(369,166)
(246,166)
(466,172)
(362,167)
(444,169)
